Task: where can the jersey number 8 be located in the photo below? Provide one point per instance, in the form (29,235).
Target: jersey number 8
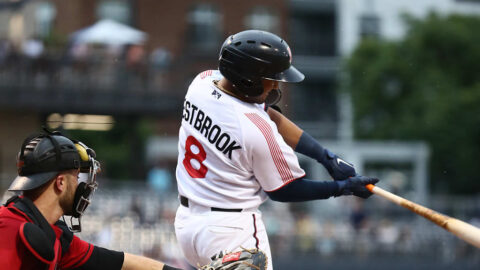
(199,157)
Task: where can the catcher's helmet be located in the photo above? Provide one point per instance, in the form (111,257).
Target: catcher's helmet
(250,56)
(42,157)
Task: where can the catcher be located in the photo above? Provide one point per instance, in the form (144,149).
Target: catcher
(57,176)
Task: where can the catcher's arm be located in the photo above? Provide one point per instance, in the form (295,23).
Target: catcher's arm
(135,262)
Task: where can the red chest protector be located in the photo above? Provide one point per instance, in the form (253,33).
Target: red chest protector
(29,241)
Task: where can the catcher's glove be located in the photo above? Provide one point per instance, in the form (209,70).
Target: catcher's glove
(247,259)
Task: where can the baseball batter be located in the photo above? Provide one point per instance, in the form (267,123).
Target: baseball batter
(235,151)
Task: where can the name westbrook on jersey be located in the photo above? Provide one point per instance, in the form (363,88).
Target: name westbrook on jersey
(214,134)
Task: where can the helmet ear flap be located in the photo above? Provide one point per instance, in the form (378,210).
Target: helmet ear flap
(245,85)
(254,88)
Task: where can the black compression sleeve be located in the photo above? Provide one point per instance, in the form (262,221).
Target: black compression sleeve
(102,258)
(303,189)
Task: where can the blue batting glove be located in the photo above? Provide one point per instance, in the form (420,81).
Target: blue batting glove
(356,186)
(338,168)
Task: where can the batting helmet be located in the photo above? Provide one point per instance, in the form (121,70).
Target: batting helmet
(250,56)
(42,157)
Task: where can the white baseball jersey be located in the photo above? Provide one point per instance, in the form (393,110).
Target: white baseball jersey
(230,152)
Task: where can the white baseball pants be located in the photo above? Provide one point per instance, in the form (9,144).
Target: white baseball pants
(203,233)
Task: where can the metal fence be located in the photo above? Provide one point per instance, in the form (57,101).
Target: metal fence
(101,82)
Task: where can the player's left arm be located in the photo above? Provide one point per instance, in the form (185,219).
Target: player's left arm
(305,144)
(302,189)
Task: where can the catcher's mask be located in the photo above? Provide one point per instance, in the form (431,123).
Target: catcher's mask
(43,156)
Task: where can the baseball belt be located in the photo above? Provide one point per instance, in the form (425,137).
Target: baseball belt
(184,202)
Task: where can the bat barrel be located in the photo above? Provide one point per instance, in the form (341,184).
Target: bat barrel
(463,230)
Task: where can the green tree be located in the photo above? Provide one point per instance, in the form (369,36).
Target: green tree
(425,87)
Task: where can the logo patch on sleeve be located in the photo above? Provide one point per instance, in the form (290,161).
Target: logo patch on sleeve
(232,257)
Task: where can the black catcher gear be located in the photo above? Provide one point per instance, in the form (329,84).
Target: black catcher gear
(43,156)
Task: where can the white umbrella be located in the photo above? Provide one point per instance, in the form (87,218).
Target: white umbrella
(109,32)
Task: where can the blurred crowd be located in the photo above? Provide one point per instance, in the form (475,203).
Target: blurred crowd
(82,65)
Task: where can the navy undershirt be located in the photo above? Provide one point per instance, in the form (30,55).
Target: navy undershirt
(308,146)
(302,189)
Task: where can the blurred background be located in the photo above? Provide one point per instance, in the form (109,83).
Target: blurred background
(391,86)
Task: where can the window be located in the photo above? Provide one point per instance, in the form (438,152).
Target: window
(369,25)
(313,33)
(204,27)
(44,15)
(369,22)
(315,101)
(263,19)
(118,10)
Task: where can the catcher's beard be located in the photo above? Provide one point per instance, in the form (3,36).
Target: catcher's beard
(67,198)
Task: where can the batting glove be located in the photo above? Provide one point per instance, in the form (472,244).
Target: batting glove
(356,186)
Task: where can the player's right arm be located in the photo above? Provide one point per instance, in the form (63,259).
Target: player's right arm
(290,132)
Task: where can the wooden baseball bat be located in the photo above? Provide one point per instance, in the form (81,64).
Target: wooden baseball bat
(463,230)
